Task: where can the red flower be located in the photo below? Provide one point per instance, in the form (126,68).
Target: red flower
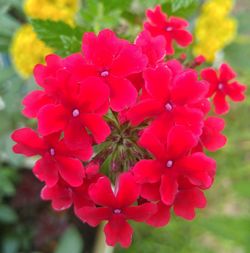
(62,195)
(56,161)
(223,85)
(171,28)
(81,107)
(112,60)
(152,47)
(171,98)
(116,207)
(173,161)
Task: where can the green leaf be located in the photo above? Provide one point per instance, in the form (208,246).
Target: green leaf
(7,214)
(179,4)
(58,35)
(70,241)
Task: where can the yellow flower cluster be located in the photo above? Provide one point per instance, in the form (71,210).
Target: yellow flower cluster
(27,50)
(52,9)
(214,28)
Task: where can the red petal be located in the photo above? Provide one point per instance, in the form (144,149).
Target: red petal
(101,193)
(161,217)
(51,119)
(143,110)
(157,16)
(94,94)
(34,101)
(186,202)
(76,137)
(180,142)
(28,142)
(150,192)
(147,171)
(168,189)
(140,213)
(236,91)
(46,169)
(210,75)
(182,37)
(127,190)
(177,22)
(117,230)
(122,94)
(60,196)
(187,89)
(92,215)
(97,126)
(220,103)
(158,89)
(130,60)
(226,73)
(71,170)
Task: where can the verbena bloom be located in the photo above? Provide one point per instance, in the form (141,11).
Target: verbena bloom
(222,85)
(172,28)
(122,129)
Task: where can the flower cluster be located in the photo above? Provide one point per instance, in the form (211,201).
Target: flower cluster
(123,129)
(211,37)
(25,39)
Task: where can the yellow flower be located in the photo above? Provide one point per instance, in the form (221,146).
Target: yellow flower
(214,28)
(52,9)
(27,50)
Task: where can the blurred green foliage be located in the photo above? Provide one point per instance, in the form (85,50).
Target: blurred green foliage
(224,226)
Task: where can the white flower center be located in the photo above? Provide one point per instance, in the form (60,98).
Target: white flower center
(220,86)
(117,211)
(75,113)
(52,151)
(104,73)
(168,107)
(169,163)
(169,29)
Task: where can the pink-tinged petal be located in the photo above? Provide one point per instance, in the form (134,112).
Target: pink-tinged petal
(46,169)
(94,94)
(144,110)
(157,82)
(127,190)
(97,126)
(150,192)
(187,89)
(189,117)
(129,61)
(211,137)
(226,73)
(34,101)
(61,196)
(198,168)
(152,47)
(161,217)
(122,94)
(236,91)
(147,171)
(157,16)
(153,143)
(76,137)
(28,142)
(169,45)
(71,170)
(180,142)
(186,201)
(168,189)
(92,215)
(51,119)
(102,49)
(210,75)
(221,106)
(92,169)
(175,66)
(182,37)
(117,230)
(101,193)
(140,213)
(177,22)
